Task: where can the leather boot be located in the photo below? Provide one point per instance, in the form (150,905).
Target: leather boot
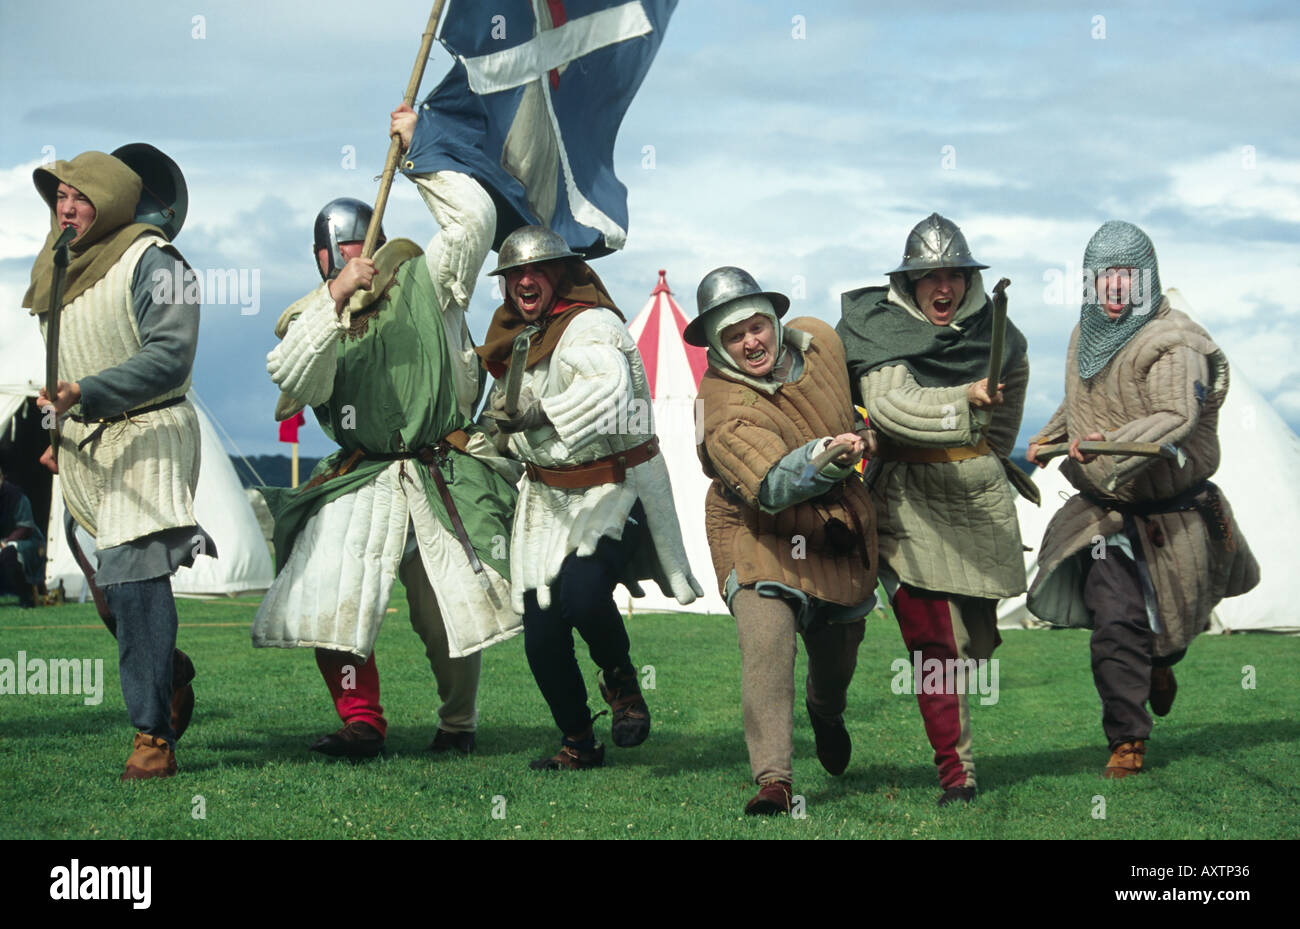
(151,756)
(773,797)
(1126,759)
(833,744)
(1163,690)
(629,715)
(182,692)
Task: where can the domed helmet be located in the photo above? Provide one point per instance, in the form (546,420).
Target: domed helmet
(936,242)
(164,198)
(530,245)
(343,220)
(720,287)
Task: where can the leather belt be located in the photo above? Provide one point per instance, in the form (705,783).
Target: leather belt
(121,418)
(611,469)
(1204,497)
(916,454)
(434,457)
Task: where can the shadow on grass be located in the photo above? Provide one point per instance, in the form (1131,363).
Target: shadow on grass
(1218,742)
(1211,742)
(665,754)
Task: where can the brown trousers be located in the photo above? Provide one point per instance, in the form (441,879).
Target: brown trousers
(766,628)
(1122,646)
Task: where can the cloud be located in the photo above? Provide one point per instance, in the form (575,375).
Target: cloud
(26,216)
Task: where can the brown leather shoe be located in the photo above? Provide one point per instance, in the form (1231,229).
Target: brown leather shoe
(1126,759)
(571,758)
(1163,690)
(629,715)
(151,756)
(833,744)
(957,795)
(773,797)
(444,741)
(355,740)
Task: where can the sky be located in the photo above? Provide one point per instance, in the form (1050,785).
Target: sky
(800,141)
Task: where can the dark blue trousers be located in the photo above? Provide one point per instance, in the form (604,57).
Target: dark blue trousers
(582,598)
(146,640)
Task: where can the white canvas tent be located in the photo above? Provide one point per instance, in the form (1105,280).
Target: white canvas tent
(222,509)
(1259,473)
(674,369)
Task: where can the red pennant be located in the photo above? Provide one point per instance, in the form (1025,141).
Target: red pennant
(289,428)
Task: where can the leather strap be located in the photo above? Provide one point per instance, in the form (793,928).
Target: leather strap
(916,454)
(433,457)
(612,469)
(121,418)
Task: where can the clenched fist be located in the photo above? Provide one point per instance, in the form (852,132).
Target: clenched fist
(357,274)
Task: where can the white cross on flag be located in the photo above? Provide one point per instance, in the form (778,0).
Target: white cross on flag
(532,106)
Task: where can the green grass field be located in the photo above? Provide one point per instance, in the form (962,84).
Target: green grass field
(1223,765)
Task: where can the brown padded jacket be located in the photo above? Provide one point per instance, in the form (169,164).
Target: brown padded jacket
(1165,386)
(745,433)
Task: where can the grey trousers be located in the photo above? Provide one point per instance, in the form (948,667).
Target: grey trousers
(146,639)
(457,677)
(766,628)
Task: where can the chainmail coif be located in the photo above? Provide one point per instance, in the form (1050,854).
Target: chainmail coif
(1116,245)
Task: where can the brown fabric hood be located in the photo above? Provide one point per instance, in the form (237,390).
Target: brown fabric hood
(581,290)
(114,190)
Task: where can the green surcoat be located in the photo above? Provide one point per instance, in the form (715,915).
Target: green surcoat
(393,393)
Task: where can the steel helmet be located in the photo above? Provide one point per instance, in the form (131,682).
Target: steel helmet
(164,198)
(343,220)
(720,287)
(936,242)
(530,245)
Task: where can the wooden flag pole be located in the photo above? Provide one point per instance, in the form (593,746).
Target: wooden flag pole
(293,467)
(395,147)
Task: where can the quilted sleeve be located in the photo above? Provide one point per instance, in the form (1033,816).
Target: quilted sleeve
(742,454)
(916,415)
(597,386)
(1171,393)
(303,364)
(466,221)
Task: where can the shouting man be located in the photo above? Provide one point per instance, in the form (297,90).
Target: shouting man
(1148,546)
(918,352)
(596,507)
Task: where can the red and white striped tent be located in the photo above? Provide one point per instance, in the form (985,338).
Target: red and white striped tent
(674,370)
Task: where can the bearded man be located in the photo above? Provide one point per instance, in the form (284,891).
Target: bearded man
(128,448)
(596,507)
(949,537)
(1148,546)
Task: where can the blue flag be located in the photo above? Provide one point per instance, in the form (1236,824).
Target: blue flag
(532,106)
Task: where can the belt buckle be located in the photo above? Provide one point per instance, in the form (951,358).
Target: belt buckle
(441,458)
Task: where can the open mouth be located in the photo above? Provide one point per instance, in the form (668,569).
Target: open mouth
(529,299)
(756,357)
